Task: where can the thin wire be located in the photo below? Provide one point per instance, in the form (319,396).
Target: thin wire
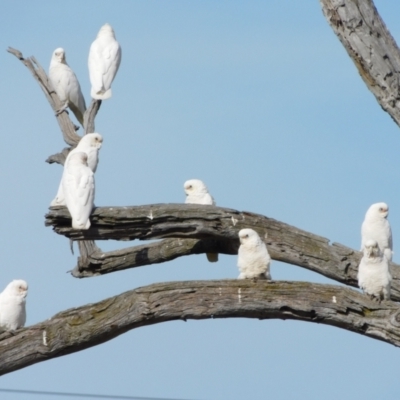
(87,395)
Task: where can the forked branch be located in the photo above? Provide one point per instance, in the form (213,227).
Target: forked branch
(66,125)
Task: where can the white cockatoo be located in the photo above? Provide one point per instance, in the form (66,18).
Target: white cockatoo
(253,256)
(104,60)
(197,193)
(89,144)
(377,227)
(78,186)
(66,85)
(12,305)
(373,272)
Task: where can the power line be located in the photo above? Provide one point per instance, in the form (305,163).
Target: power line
(87,395)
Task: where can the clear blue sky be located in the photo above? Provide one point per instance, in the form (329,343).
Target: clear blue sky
(256,98)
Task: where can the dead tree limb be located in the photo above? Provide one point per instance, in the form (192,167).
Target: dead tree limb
(370,45)
(90,115)
(86,248)
(100,263)
(80,328)
(66,125)
(199,229)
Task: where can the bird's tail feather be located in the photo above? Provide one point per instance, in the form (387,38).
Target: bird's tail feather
(101,95)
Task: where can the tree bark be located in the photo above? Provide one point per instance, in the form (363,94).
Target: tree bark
(80,328)
(100,263)
(370,45)
(215,228)
(90,115)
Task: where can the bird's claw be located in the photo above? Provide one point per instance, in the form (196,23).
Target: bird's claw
(62,109)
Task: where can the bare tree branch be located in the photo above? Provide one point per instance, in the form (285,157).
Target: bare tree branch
(100,263)
(89,118)
(90,115)
(66,125)
(80,328)
(216,227)
(86,249)
(371,47)
(59,158)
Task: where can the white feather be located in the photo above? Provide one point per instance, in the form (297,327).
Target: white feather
(373,272)
(66,84)
(79,190)
(377,227)
(253,257)
(197,193)
(12,305)
(89,144)
(104,60)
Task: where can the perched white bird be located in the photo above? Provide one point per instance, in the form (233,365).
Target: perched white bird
(373,272)
(66,85)
(253,256)
(12,305)
(197,193)
(104,60)
(89,144)
(377,227)
(78,186)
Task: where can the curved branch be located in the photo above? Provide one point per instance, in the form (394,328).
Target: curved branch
(285,243)
(371,47)
(80,328)
(100,263)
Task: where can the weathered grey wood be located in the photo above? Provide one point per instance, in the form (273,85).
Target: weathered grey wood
(86,249)
(100,263)
(66,125)
(371,47)
(80,328)
(285,243)
(59,158)
(90,115)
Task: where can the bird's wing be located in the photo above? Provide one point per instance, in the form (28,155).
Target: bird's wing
(112,60)
(85,187)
